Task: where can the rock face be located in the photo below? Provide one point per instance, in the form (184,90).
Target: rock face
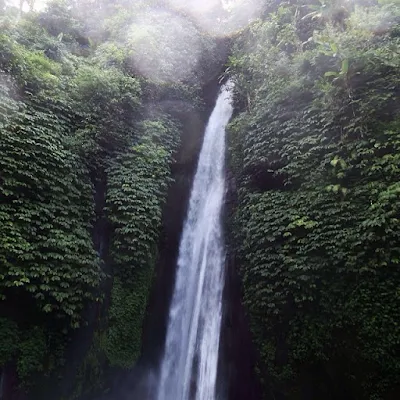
(238,354)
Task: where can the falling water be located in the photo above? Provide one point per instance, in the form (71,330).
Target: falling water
(189,367)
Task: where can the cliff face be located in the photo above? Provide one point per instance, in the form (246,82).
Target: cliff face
(314,149)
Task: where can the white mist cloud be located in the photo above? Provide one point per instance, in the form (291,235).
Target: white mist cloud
(375,20)
(220,17)
(38,5)
(165,47)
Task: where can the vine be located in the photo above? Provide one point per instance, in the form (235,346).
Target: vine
(315,154)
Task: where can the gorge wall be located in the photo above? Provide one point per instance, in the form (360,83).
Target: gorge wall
(314,151)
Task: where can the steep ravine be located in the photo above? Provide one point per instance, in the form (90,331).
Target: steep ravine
(237,359)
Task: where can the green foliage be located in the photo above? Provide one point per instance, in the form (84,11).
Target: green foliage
(8,339)
(110,54)
(90,375)
(315,151)
(79,116)
(61,20)
(138,180)
(36,350)
(128,304)
(137,186)
(31,68)
(33,350)
(108,102)
(137,183)
(46,194)
(65,123)
(46,210)
(106,92)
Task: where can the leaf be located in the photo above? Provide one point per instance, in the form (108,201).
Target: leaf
(334,47)
(331,73)
(345,66)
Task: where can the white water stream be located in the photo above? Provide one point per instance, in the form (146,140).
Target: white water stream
(189,366)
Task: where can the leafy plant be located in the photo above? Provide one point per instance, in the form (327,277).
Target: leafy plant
(314,150)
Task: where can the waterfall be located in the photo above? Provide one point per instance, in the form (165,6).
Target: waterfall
(189,366)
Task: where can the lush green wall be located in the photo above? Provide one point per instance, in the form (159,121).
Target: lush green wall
(314,148)
(86,148)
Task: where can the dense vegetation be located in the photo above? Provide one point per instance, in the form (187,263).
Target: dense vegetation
(90,92)
(315,150)
(85,154)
